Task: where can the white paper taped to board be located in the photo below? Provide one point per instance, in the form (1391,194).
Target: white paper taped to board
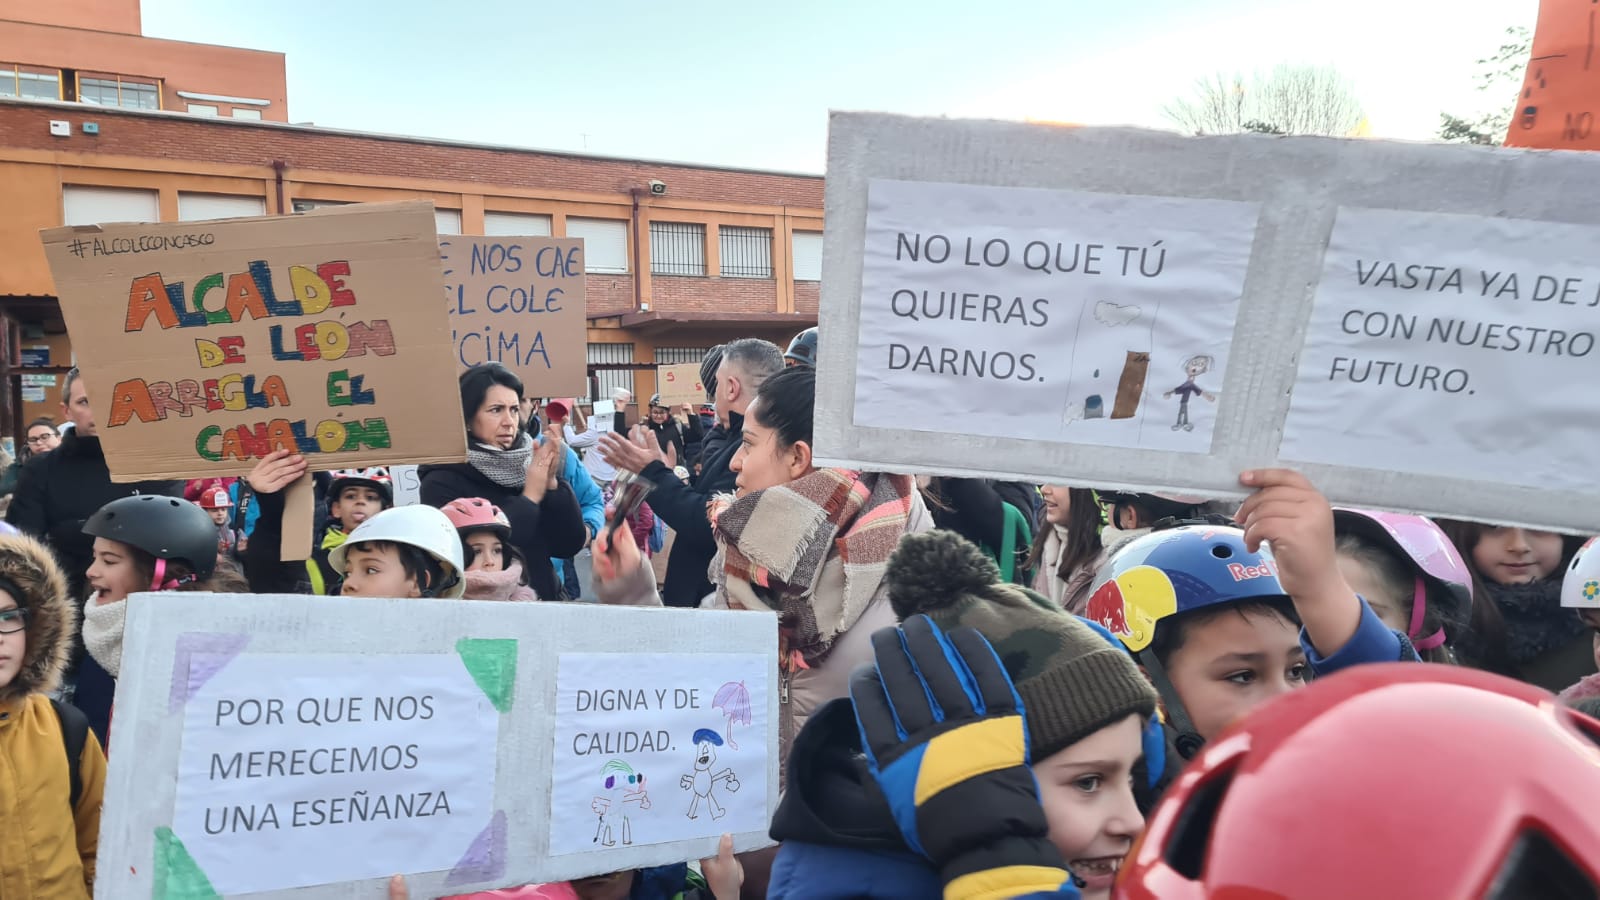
(1189,376)
(435,749)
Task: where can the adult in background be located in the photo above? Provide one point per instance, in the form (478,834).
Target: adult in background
(42,437)
(559,415)
(60,490)
(671,431)
(716,430)
(746,364)
(507,467)
(802,350)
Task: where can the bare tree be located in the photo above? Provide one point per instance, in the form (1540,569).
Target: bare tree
(1288,100)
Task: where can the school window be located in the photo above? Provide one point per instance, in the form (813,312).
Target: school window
(447,221)
(195,207)
(677,248)
(746,252)
(93,205)
(240,112)
(116,91)
(205,110)
(507,224)
(807,256)
(605,245)
(676,356)
(16,81)
(605,380)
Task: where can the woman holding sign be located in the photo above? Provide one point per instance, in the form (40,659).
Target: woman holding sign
(509,468)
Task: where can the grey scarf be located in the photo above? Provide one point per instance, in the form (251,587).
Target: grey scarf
(507,468)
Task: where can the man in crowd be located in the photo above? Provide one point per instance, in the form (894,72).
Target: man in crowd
(745,365)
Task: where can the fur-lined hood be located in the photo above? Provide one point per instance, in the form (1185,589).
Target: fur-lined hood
(52,616)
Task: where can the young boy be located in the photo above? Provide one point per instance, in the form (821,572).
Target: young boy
(409,551)
(354,496)
(217,504)
(1222,623)
(52,774)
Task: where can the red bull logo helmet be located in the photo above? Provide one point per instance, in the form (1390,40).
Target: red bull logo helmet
(1178,570)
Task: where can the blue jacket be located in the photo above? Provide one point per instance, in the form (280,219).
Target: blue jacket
(806,871)
(1373,642)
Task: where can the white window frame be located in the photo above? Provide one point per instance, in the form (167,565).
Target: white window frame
(806,252)
(605,244)
(88,204)
(516,224)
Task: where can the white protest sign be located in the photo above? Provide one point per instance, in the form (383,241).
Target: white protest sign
(389,753)
(647,748)
(292,746)
(407,485)
(1050,315)
(1027,366)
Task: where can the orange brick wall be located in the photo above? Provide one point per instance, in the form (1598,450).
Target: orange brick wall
(98,15)
(807,297)
(673,293)
(609,294)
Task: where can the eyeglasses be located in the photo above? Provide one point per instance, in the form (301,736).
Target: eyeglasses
(13,621)
(39,439)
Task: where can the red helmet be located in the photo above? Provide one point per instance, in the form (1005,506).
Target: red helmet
(469,514)
(1393,780)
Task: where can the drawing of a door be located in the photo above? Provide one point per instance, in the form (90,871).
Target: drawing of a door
(1131,387)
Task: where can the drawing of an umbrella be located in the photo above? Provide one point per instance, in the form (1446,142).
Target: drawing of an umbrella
(733,699)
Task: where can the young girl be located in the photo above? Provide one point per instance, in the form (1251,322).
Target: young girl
(1066,545)
(402,552)
(146,542)
(50,822)
(1409,573)
(495,570)
(1518,626)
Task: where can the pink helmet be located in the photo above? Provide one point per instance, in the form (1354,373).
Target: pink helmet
(1436,563)
(469,514)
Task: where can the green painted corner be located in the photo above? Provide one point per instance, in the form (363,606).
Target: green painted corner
(492,663)
(177,875)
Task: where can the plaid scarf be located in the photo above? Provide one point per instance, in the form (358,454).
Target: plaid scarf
(783,538)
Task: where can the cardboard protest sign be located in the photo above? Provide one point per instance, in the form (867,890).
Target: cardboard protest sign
(680,384)
(519,301)
(1560,97)
(1130,309)
(207,345)
(292,747)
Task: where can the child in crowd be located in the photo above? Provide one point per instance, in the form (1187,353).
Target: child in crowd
(1518,626)
(217,504)
(146,542)
(1409,573)
(408,551)
(1222,623)
(53,773)
(1580,592)
(1066,545)
(354,496)
(495,568)
(719,878)
(1087,706)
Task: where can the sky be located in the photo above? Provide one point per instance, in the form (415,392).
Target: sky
(750,84)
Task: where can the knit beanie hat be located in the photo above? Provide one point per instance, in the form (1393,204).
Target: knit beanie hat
(1071,680)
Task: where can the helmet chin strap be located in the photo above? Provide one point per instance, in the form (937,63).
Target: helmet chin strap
(160,582)
(1185,738)
(1419,608)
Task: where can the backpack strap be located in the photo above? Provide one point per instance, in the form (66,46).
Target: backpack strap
(74,734)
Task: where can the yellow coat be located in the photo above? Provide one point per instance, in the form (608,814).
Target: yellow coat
(47,847)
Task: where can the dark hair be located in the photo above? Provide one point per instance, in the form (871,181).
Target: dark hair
(475,383)
(785,403)
(1085,518)
(509,553)
(1397,579)
(1173,631)
(225,576)
(1148,509)
(66,385)
(418,564)
(708,371)
(25,449)
(1486,646)
(46,421)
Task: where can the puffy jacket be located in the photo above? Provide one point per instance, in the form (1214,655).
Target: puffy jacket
(684,508)
(60,490)
(47,846)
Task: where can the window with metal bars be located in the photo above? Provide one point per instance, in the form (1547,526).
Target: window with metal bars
(746,252)
(676,356)
(606,379)
(677,248)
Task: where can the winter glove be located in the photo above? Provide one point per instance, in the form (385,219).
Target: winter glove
(947,740)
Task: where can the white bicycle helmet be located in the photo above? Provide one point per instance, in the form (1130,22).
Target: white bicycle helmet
(1580,587)
(423,527)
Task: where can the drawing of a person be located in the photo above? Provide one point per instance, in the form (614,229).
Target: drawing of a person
(1194,367)
(701,781)
(622,786)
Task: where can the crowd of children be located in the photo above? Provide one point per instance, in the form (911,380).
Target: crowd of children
(1076,737)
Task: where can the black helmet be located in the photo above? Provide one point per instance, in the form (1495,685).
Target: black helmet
(167,528)
(803,349)
(708,371)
